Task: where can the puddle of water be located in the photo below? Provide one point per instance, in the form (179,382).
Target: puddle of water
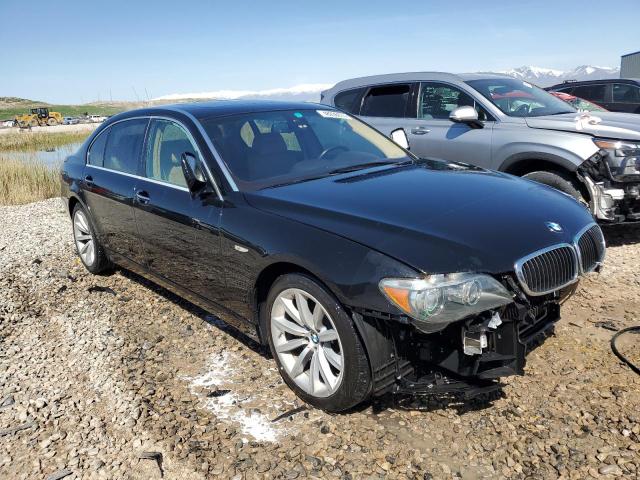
(52,158)
(227,406)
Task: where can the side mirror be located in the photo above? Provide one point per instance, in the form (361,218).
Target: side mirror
(193,174)
(400,137)
(466,114)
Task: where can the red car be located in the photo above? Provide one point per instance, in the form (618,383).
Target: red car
(580,104)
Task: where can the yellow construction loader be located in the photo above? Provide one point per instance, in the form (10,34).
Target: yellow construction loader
(40,116)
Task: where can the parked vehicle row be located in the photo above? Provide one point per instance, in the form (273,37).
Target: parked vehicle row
(508,125)
(616,95)
(364,268)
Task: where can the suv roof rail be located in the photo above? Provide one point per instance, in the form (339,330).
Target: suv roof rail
(570,81)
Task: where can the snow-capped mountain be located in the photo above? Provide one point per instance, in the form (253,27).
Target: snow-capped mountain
(542,77)
(302,92)
(545,77)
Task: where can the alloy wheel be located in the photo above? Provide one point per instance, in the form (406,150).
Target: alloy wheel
(83,238)
(307,342)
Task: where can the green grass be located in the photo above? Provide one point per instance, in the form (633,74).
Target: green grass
(25,182)
(36,141)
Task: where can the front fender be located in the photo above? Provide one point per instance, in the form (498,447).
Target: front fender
(254,240)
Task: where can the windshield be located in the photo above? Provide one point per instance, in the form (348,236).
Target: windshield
(520,99)
(264,149)
(583,105)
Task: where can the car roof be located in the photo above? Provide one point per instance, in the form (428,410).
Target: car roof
(570,83)
(221,108)
(408,77)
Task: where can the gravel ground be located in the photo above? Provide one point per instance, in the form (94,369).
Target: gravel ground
(113,377)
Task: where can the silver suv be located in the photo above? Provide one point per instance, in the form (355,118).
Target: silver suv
(505,124)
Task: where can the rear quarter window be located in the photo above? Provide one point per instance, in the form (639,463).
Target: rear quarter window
(96,151)
(349,100)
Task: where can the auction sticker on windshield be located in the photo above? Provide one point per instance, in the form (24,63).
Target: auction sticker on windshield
(333,114)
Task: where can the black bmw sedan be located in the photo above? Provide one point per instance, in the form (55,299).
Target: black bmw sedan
(366,270)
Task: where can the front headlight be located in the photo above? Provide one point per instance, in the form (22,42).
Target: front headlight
(624,156)
(437,300)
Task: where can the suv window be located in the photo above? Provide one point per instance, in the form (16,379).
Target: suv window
(166,142)
(626,93)
(348,100)
(124,145)
(438,100)
(386,101)
(594,93)
(96,151)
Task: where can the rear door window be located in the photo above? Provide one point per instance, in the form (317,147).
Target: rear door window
(349,100)
(595,93)
(387,101)
(124,145)
(626,93)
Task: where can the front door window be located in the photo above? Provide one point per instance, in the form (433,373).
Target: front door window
(438,100)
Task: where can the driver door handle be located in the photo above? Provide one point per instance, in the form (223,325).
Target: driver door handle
(142,197)
(420,130)
(88,179)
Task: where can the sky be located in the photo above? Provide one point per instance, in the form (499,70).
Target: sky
(77,51)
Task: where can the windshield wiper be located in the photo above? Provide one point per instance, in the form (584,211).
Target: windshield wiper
(350,168)
(360,166)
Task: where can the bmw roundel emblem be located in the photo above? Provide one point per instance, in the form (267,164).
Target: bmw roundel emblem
(553,226)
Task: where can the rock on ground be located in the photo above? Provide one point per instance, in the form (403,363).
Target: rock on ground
(129,381)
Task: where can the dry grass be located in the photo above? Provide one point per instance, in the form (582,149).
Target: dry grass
(35,141)
(25,182)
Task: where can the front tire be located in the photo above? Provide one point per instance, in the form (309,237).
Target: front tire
(318,351)
(559,181)
(91,253)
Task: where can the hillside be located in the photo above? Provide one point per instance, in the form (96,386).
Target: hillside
(12,106)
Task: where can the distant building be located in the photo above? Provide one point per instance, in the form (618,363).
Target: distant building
(630,65)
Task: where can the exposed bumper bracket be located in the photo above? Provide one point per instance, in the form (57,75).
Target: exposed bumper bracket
(437,383)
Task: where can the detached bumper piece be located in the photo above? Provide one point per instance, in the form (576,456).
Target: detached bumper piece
(615,198)
(467,357)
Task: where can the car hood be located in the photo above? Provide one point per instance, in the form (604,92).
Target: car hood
(433,216)
(623,126)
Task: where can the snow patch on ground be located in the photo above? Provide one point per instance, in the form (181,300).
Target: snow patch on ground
(228,406)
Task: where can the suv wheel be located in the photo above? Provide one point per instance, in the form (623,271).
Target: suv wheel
(318,352)
(560,182)
(89,250)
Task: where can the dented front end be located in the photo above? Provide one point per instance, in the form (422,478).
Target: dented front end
(612,178)
(469,356)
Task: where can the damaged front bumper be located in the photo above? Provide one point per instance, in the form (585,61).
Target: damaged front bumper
(466,357)
(614,187)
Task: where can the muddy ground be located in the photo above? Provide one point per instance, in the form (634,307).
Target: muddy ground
(113,377)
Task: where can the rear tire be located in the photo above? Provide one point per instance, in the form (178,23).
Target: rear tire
(91,253)
(559,181)
(52,122)
(319,353)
